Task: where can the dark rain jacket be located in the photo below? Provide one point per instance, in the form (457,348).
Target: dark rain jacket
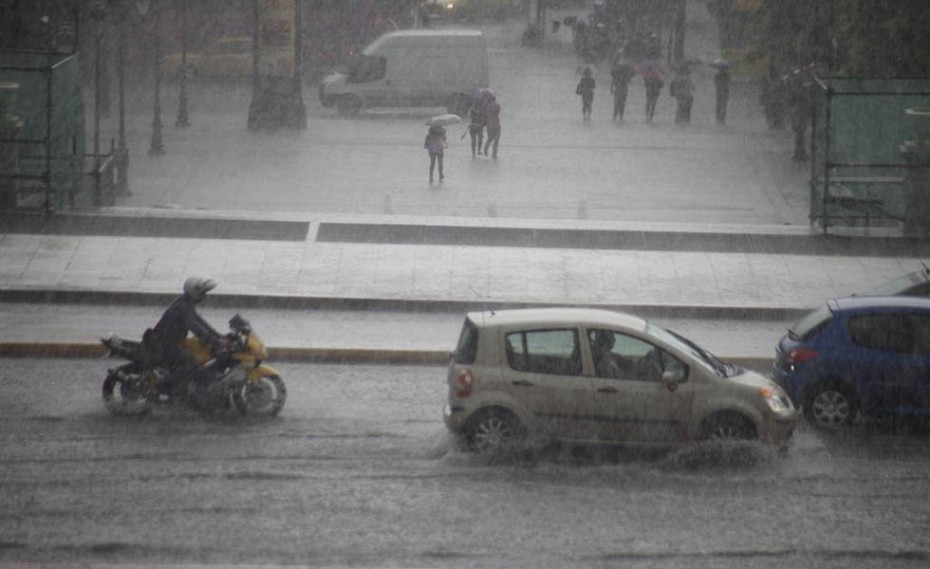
(180,318)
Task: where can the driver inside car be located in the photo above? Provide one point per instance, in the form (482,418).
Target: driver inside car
(605,364)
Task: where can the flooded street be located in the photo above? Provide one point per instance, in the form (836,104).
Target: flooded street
(358,471)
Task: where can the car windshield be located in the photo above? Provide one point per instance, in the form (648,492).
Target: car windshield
(810,323)
(684,344)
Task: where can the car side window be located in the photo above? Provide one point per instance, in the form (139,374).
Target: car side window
(921,327)
(544,351)
(367,68)
(620,356)
(888,332)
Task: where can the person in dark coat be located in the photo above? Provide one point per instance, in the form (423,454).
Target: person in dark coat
(654,84)
(585,88)
(435,144)
(476,124)
(682,89)
(801,111)
(163,342)
(492,111)
(722,88)
(621,74)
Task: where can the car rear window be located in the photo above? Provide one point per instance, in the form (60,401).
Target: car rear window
(810,324)
(467,348)
(544,351)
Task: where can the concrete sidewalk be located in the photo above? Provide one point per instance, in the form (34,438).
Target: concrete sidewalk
(703,282)
(312,274)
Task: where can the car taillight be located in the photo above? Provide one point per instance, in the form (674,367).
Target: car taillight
(463,384)
(799,355)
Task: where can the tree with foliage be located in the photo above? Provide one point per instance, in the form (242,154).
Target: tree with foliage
(864,38)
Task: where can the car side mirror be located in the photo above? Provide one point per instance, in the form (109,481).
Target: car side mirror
(674,375)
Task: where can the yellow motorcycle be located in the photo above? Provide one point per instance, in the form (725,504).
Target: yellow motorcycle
(234,378)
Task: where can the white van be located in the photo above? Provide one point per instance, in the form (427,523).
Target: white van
(413,68)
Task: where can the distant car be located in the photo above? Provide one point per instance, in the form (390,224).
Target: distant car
(911,284)
(596,376)
(868,355)
(228,57)
(439,9)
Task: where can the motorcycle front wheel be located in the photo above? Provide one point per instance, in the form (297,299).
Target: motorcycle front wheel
(264,397)
(126,392)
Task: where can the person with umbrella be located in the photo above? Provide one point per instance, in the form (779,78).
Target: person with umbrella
(436,143)
(476,124)
(682,89)
(652,79)
(621,74)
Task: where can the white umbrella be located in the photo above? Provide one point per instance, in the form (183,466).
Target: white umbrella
(444,120)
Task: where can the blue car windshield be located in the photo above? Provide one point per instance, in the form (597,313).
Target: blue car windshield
(810,323)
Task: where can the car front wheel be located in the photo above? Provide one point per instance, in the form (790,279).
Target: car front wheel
(728,427)
(830,406)
(495,431)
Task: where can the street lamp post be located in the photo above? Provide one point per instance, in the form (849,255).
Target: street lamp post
(156,148)
(99,14)
(182,120)
(122,152)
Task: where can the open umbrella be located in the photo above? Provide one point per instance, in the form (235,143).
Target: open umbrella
(650,69)
(444,120)
(484,93)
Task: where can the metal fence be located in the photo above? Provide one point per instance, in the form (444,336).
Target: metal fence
(859,171)
(50,145)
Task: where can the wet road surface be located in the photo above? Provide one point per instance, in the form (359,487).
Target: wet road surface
(359,471)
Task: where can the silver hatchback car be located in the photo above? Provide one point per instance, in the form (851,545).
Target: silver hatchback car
(597,376)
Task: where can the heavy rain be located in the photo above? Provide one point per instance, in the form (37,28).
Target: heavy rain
(368,201)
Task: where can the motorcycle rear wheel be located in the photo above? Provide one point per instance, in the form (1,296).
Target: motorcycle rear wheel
(264,397)
(125,392)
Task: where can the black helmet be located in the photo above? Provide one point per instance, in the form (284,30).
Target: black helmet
(197,287)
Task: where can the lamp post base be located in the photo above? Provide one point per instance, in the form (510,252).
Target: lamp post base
(277,103)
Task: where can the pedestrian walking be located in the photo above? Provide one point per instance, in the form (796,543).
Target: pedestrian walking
(722,89)
(652,79)
(476,124)
(621,74)
(585,88)
(682,90)
(492,113)
(435,144)
(801,105)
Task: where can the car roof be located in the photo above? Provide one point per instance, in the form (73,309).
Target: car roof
(879,302)
(439,33)
(557,316)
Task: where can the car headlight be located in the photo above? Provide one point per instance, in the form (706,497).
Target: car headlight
(775,399)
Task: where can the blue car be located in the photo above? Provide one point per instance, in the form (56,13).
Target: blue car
(868,355)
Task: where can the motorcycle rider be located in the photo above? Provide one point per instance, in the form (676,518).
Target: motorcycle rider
(163,342)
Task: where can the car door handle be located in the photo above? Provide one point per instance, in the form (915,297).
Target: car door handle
(608,390)
(523,383)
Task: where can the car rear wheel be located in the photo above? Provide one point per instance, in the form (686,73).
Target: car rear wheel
(830,406)
(495,431)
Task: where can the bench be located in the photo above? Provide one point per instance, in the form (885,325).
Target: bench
(840,193)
